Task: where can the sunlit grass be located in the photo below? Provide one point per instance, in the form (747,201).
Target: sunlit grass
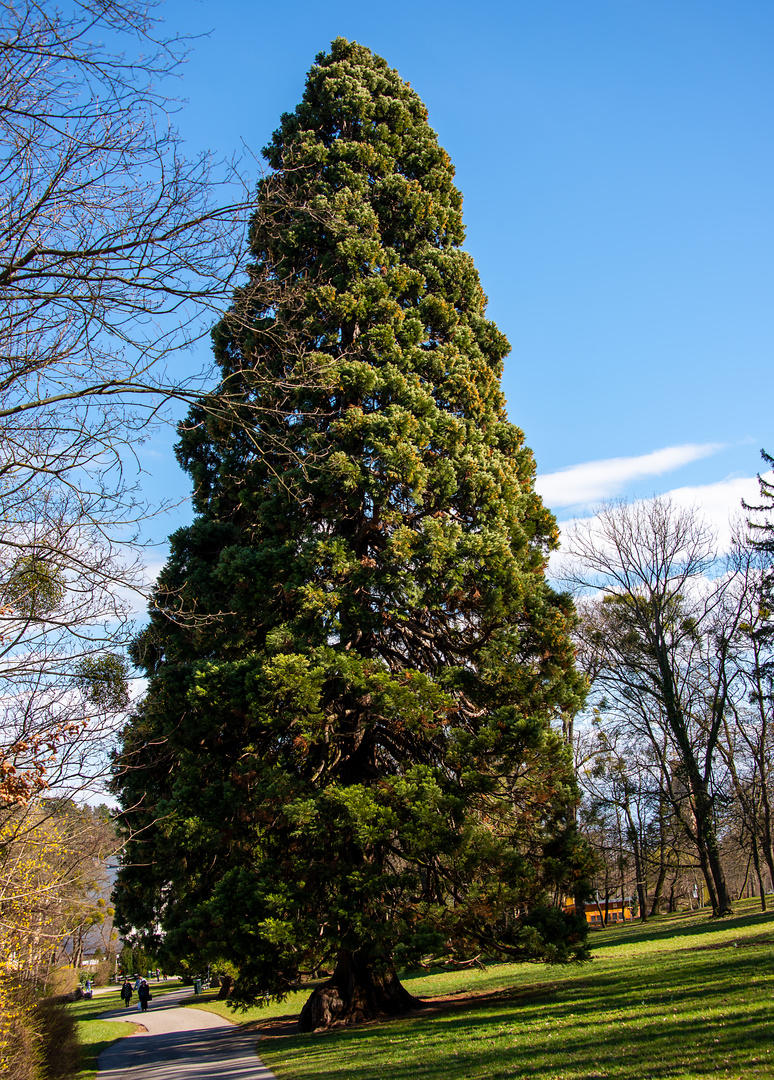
(682,997)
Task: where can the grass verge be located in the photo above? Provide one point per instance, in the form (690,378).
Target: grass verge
(95,1035)
(680,998)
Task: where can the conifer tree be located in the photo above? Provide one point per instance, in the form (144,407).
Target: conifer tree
(761,540)
(761,526)
(345,759)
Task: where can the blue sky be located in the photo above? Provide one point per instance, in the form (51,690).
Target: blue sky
(616,161)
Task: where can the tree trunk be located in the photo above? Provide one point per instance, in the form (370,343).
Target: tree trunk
(226,986)
(362,987)
(746,879)
(708,879)
(718,875)
(672,898)
(767,840)
(758,874)
(655,907)
(622,876)
(639,864)
(708,849)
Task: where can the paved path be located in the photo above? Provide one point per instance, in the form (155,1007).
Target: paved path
(180,1044)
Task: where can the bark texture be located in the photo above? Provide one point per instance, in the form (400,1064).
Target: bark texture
(361,988)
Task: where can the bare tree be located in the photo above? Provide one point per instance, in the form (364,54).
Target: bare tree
(113,253)
(658,626)
(53,877)
(105,228)
(747,745)
(617,783)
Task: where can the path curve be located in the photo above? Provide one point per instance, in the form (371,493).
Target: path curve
(180,1044)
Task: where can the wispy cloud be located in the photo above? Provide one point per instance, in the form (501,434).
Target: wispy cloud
(593,481)
(719,505)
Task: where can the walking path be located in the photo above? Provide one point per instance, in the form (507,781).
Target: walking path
(180,1044)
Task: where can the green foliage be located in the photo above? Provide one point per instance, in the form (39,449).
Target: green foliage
(347,737)
(134,960)
(35,587)
(104,681)
(761,535)
(762,525)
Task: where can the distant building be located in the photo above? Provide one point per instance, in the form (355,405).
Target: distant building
(617,910)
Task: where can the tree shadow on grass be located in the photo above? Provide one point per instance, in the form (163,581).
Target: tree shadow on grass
(682,1021)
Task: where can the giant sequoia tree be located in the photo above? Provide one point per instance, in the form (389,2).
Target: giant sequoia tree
(345,758)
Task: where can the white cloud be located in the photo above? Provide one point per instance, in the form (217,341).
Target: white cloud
(719,504)
(152,570)
(593,481)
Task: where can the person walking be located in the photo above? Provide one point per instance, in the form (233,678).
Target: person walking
(144,995)
(126,992)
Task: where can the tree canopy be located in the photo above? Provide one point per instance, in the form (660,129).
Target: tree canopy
(346,754)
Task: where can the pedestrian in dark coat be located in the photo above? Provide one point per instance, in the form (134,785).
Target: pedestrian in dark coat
(126,992)
(144,995)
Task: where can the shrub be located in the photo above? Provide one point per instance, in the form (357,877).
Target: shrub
(59,1049)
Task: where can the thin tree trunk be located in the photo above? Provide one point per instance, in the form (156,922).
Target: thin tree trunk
(757,865)
(662,861)
(672,898)
(746,879)
(621,873)
(656,904)
(768,840)
(639,868)
(708,881)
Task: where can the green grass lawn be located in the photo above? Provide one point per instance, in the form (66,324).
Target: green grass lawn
(681,997)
